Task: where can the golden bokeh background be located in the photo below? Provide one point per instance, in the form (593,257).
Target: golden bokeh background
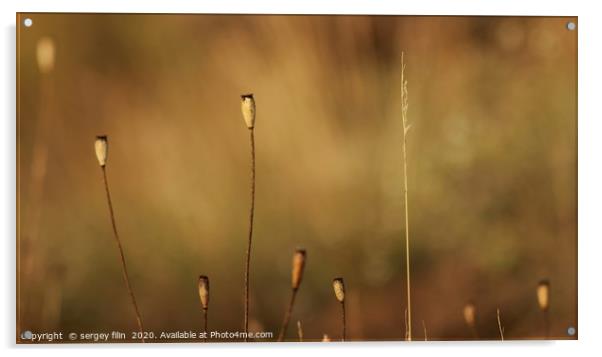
(492,168)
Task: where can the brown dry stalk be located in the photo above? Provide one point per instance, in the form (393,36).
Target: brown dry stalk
(424,328)
(300,331)
(499,324)
(251,216)
(343,317)
(124,270)
(405,320)
(406,128)
(287,316)
(296,277)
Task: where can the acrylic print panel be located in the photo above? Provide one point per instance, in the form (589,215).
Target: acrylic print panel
(231,178)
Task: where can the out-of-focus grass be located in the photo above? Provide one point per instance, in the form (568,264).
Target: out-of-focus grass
(492,170)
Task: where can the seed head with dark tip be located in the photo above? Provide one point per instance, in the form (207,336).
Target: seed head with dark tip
(298,267)
(247,107)
(101,146)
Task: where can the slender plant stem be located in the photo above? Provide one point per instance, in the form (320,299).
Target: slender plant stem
(287,316)
(424,328)
(205,319)
(300,331)
(405,194)
(405,320)
(124,269)
(251,215)
(499,324)
(344,323)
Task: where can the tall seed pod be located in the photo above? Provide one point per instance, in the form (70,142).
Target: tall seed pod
(101,146)
(248,109)
(204,291)
(543,295)
(298,267)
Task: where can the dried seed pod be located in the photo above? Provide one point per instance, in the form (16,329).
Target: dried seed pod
(101,145)
(325,338)
(470,312)
(204,291)
(248,109)
(298,266)
(45,53)
(543,295)
(339,289)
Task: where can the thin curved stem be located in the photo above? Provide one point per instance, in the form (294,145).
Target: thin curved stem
(205,319)
(287,317)
(499,325)
(406,127)
(344,322)
(124,269)
(250,236)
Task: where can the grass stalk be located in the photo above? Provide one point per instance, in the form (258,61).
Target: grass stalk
(287,316)
(250,235)
(296,277)
(406,128)
(499,324)
(101,146)
(300,331)
(248,112)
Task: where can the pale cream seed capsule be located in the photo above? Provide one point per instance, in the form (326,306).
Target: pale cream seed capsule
(543,295)
(470,312)
(204,291)
(325,338)
(339,289)
(248,109)
(45,53)
(101,145)
(298,267)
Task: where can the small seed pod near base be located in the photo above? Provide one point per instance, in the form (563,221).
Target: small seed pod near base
(101,146)
(339,289)
(298,267)
(470,314)
(543,295)
(204,291)
(247,107)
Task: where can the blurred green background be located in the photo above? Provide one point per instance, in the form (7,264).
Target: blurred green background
(492,159)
